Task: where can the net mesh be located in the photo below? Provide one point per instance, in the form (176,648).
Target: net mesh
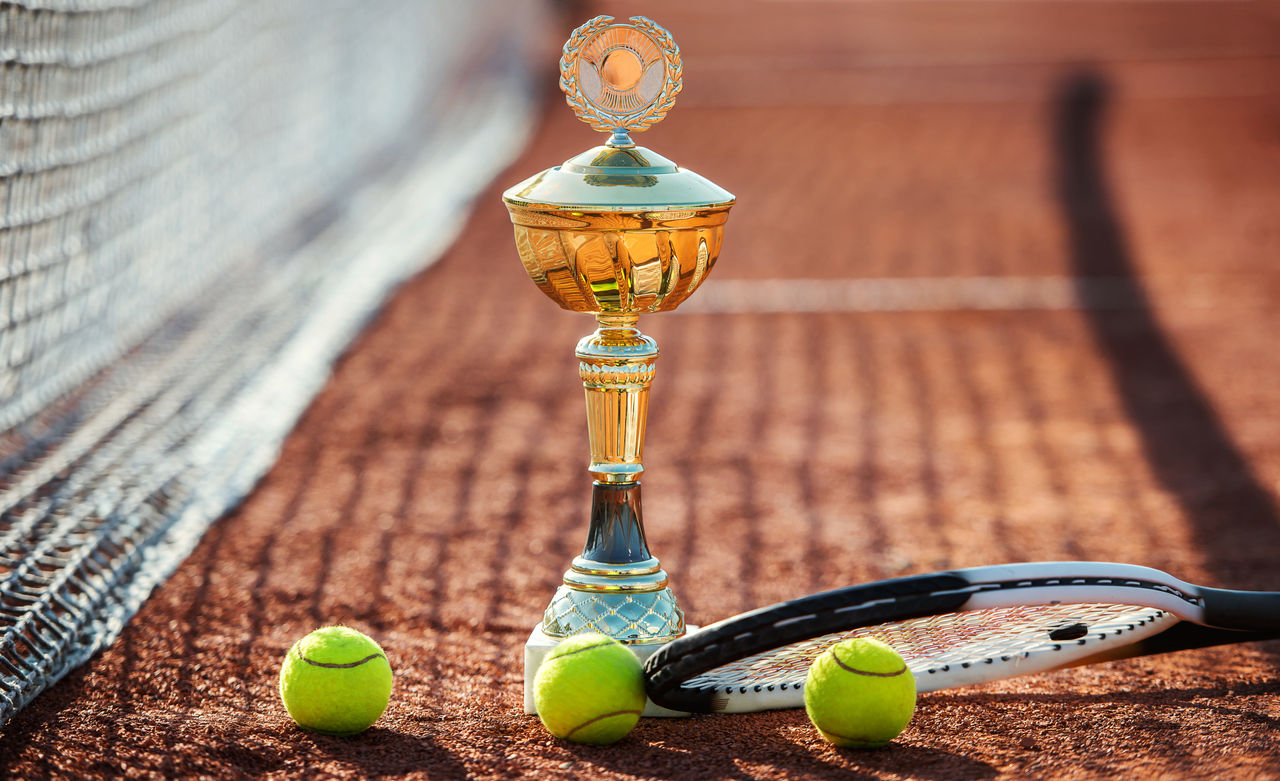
(203,201)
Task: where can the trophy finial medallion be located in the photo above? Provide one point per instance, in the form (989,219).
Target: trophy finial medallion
(621,77)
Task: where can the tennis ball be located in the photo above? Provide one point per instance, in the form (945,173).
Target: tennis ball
(590,689)
(860,694)
(335,681)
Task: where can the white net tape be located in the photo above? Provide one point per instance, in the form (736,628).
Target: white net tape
(201,201)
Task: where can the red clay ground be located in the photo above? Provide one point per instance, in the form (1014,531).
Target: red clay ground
(436,489)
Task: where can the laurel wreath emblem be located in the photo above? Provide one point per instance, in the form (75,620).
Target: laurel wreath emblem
(641,118)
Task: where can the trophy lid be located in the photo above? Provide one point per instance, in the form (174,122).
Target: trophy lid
(619,77)
(610,178)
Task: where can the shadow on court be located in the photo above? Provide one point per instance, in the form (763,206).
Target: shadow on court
(1150,722)
(1235,519)
(705,757)
(367,753)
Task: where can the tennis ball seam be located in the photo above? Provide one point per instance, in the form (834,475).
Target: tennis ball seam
(602,717)
(856,671)
(340,665)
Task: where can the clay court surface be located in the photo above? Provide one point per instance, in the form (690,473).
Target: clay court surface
(436,489)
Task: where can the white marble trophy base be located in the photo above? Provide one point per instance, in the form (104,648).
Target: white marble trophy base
(536,649)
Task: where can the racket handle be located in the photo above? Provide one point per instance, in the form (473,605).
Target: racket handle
(1243,610)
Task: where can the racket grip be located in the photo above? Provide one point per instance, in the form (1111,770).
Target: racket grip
(1242,610)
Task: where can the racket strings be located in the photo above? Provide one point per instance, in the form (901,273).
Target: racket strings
(940,643)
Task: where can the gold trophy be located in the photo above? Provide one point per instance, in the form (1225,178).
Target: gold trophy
(616,231)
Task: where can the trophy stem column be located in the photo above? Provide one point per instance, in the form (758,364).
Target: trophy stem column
(616,586)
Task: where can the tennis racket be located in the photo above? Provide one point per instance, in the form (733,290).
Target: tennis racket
(956,628)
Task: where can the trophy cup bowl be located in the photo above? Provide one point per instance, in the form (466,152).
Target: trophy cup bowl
(618,231)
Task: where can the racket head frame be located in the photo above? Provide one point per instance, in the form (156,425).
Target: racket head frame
(1146,603)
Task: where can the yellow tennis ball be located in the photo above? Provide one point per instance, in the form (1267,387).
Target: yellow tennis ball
(336,681)
(860,694)
(590,689)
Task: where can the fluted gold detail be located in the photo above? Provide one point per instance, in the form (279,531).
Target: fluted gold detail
(597,375)
(618,262)
(616,365)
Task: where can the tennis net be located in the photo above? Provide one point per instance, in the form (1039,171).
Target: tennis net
(204,200)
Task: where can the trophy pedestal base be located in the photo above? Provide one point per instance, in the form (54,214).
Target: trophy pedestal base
(539,645)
